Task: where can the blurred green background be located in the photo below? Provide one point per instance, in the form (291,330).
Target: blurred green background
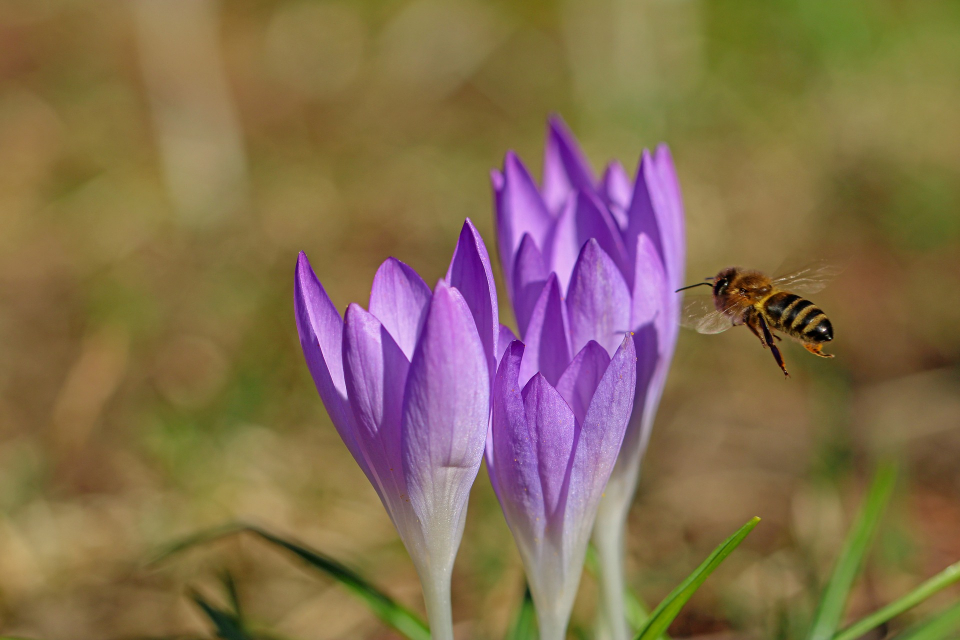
(163,161)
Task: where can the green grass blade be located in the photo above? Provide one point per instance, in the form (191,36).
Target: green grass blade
(829,612)
(524,625)
(226,624)
(637,612)
(383,606)
(668,609)
(203,537)
(233,594)
(937,583)
(945,626)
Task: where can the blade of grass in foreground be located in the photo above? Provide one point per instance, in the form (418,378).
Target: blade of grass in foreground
(937,583)
(203,537)
(383,606)
(233,594)
(668,609)
(941,627)
(524,625)
(227,625)
(637,612)
(834,600)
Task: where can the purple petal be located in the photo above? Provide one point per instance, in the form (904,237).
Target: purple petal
(579,382)
(496,180)
(651,375)
(529,276)
(506,337)
(565,169)
(375,370)
(446,409)
(583,218)
(650,286)
(671,222)
(642,215)
(471,275)
(615,185)
(601,435)
(399,299)
(598,302)
(547,349)
(595,221)
(552,428)
(503,343)
(519,209)
(651,369)
(514,471)
(562,248)
(321,338)
(615,188)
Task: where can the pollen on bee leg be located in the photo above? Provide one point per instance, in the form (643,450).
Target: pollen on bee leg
(816,349)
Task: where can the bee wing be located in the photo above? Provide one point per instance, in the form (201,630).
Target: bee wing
(700,315)
(811,278)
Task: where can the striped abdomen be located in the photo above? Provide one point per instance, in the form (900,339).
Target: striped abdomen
(798,318)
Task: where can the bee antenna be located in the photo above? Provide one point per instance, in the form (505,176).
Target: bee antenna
(699,284)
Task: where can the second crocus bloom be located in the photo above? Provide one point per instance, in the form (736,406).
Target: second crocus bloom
(553,447)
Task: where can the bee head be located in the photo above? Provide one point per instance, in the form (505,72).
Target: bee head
(722,282)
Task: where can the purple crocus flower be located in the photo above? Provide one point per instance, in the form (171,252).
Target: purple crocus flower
(551,451)
(407,385)
(587,259)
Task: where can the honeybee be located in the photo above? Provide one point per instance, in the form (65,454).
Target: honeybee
(765,305)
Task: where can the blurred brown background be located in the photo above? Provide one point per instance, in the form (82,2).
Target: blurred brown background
(163,161)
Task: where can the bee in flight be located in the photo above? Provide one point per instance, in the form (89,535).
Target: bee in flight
(765,305)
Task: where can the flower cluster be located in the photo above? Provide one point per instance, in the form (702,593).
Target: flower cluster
(587,259)
(425,381)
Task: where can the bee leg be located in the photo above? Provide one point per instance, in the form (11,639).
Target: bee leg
(753,325)
(768,338)
(815,349)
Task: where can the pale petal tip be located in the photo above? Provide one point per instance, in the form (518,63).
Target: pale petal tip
(353,312)
(442,286)
(468,224)
(558,131)
(629,344)
(512,164)
(305,280)
(390,267)
(303,264)
(496,178)
(514,351)
(558,126)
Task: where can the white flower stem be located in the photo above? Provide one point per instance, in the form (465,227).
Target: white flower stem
(608,537)
(436,597)
(551,625)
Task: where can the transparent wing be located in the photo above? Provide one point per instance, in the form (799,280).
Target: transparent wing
(811,278)
(701,315)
